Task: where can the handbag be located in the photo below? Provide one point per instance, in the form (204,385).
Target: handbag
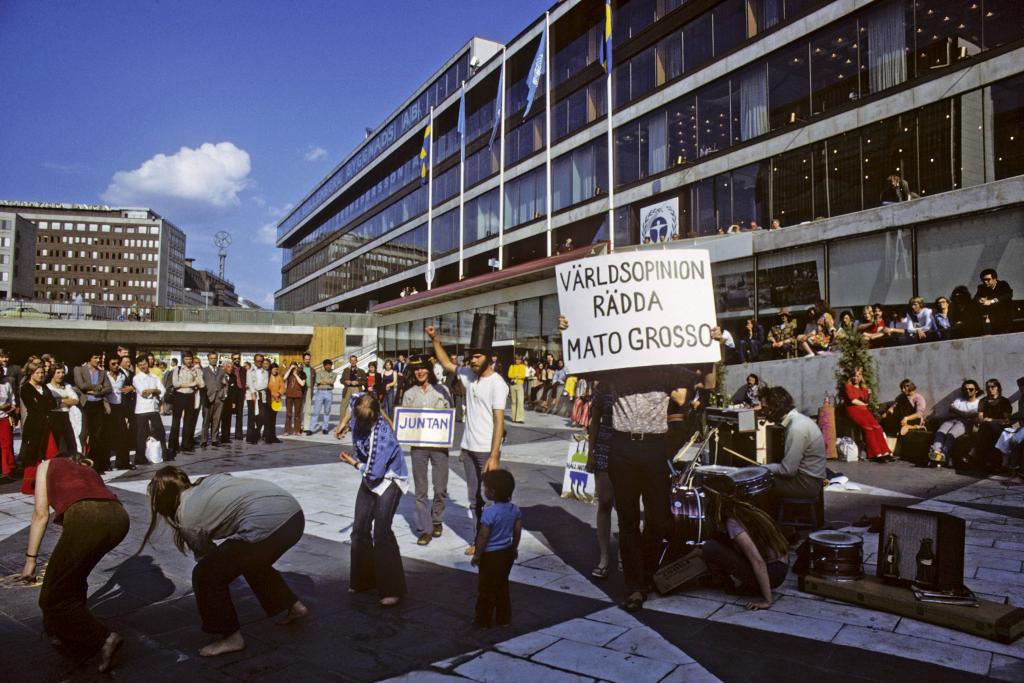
(154,451)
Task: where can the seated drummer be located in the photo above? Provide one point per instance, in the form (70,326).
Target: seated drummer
(751,557)
(801,474)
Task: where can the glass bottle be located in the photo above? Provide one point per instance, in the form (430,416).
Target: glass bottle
(891,559)
(925,565)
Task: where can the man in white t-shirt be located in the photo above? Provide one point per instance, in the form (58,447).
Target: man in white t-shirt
(486,395)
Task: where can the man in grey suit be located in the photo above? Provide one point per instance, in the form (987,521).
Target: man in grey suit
(91,381)
(215,392)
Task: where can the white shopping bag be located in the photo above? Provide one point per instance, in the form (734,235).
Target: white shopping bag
(154,451)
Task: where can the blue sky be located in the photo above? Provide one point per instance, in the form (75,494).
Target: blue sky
(218,115)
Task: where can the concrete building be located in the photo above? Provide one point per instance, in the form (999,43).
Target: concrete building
(723,113)
(205,288)
(17,256)
(131,258)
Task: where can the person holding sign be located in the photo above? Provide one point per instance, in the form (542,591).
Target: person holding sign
(426,393)
(486,394)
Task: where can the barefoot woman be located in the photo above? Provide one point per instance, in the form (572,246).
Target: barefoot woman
(257,522)
(94,523)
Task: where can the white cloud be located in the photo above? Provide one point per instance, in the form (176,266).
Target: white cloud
(267,234)
(210,176)
(314,153)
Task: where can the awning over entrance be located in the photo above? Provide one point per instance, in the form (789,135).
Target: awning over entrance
(500,279)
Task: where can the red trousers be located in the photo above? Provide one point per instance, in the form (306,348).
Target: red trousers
(873,433)
(6,446)
(28,481)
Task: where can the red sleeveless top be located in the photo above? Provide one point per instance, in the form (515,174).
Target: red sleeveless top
(67,483)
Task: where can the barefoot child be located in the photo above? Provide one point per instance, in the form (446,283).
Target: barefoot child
(497,546)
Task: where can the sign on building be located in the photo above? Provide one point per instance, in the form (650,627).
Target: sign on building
(637,309)
(659,222)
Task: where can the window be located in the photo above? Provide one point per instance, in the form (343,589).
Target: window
(697,49)
(876,268)
(481,217)
(842,173)
(579,175)
(888,148)
(525,198)
(750,194)
(791,278)
(788,86)
(885,35)
(714,117)
(937,160)
(729,19)
(1001,20)
(945,31)
(792,187)
(1008,122)
(835,69)
(682,138)
(734,288)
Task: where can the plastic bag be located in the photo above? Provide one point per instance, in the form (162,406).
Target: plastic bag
(847,449)
(154,451)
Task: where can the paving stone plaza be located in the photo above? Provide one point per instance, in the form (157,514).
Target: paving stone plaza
(566,626)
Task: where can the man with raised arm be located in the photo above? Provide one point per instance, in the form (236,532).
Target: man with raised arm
(486,394)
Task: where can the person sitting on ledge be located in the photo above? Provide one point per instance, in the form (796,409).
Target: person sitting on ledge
(872,327)
(994,412)
(858,396)
(994,301)
(963,415)
(782,336)
(942,327)
(906,413)
(917,323)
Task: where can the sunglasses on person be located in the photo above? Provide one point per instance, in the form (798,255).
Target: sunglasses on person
(973,390)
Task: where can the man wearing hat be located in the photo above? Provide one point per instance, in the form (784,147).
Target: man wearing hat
(486,394)
(782,337)
(426,393)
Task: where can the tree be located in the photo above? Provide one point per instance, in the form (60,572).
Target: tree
(854,350)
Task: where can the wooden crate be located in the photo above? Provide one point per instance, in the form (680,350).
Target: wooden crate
(1002,623)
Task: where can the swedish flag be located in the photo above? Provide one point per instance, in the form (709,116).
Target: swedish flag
(425,154)
(606,42)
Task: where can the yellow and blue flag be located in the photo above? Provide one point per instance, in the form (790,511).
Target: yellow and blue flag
(606,38)
(425,155)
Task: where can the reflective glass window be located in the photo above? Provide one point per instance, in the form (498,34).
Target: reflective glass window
(875,268)
(834,67)
(842,174)
(750,194)
(945,31)
(792,186)
(888,149)
(682,136)
(1008,121)
(793,278)
(697,48)
(788,86)
(730,22)
(714,117)
(1001,20)
(734,288)
(937,160)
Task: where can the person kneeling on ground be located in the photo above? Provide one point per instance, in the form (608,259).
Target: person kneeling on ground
(257,522)
(750,557)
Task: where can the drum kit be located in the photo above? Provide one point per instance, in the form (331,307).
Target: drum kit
(690,487)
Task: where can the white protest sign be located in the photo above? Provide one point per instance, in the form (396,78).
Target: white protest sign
(425,427)
(637,309)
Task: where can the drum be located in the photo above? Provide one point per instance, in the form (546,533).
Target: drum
(688,505)
(718,477)
(836,555)
(751,482)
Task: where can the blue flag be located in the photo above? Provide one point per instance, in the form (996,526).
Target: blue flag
(536,71)
(499,105)
(460,128)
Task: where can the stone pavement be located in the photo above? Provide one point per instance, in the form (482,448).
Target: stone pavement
(565,624)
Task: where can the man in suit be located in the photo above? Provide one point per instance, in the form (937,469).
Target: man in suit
(213,396)
(128,397)
(353,379)
(187,381)
(93,383)
(236,398)
(307,391)
(257,379)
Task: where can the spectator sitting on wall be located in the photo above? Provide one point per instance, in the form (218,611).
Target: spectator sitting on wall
(734,228)
(817,342)
(896,190)
(776,224)
(963,313)
(754,226)
(994,413)
(963,414)
(782,336)
(847,326)
(994,299)
(751,341)
(917,324)
(942,328)
(728,344)
(906,413)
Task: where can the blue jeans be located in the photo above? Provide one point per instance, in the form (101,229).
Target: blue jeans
(321,409)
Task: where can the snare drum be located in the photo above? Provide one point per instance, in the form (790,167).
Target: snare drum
(836,555)
(751,482)
(717,477)
(688,515)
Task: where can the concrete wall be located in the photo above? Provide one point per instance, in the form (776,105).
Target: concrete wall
(937,369)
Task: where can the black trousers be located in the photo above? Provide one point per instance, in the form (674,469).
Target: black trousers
(63,432)
(93,416)
(115,435)
(493,604)
(376,560)
(257,423)
(212,577)
(183,419)
(148,425)
(234,407)
(725,561)
(639,469)
(92,528)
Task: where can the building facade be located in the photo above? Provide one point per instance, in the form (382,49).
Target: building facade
(17,256)
(204,288)
(125,257)
(723,114)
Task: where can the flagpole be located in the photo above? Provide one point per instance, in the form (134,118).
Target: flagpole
(547,123)
(501,169)
(462,178)
(430,201)
(611,162)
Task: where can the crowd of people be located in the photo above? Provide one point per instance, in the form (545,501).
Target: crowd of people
(819,330)
(110,408)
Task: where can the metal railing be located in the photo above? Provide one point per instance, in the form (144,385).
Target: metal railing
(59,310)
(254,316)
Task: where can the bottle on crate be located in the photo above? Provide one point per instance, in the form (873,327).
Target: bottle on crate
(925,565)
(891,559)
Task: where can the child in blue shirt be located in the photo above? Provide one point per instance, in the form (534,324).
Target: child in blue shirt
(497,546)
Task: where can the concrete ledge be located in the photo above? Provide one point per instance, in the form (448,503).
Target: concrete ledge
(937,368)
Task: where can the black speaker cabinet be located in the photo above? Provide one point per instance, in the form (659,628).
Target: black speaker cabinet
(911,526)
(775,443)
(742,442)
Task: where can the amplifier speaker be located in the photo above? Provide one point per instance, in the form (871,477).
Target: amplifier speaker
(744,443)
(775,443)
(911,526)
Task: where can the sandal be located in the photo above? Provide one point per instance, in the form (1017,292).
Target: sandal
(599,572)
(634,602)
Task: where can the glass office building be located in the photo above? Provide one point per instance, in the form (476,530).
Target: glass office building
(722,114)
